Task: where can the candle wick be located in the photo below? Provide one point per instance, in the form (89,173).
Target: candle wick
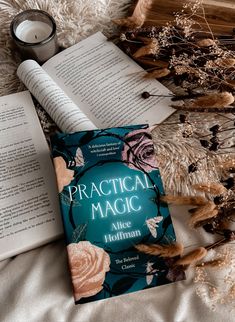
(35,36)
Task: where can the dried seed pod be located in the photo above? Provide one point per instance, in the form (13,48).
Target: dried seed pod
(206,42)
(213,188)
(217,100)
(170,250)
(152,48)
(158,73)
(192,257)
(184,200)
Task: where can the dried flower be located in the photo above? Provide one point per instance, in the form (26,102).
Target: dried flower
(184,200)
(170,250)
(158,73)
(213,188)
(192,257)
(152,48)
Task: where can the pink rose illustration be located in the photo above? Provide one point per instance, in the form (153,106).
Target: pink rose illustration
(64,176)
(138,151)
(88,264)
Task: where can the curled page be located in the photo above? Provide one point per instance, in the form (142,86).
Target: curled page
(68,117)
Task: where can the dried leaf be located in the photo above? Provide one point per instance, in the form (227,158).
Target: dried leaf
(192,257)
(170,250)
(225,62)
(206,42)
(212,188)
(217,100)
(158,73)
(152,48)
(184,200)
(153,63)
(230,82)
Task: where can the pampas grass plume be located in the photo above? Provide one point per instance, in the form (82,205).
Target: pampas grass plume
(170,250)
(203,212)
(213,188)
(217,100)
(192,257)
(184,200)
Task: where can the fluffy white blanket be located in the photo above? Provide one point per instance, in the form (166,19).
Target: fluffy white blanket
(35,286)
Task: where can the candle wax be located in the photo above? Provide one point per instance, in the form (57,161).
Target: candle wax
(33,31)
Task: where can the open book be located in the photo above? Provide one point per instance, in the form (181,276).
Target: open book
(29,206)
(93,84)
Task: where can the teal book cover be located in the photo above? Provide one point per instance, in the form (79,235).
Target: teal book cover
(110,187)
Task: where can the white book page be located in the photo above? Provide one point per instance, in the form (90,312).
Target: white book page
(107,85)
(29,205)
(68,117)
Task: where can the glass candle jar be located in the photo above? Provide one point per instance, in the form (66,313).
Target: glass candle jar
(34,33)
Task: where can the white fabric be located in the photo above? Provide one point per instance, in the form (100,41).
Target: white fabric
(36,286)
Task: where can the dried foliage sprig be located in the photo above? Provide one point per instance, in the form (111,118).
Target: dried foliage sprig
(179,50)
(213,215)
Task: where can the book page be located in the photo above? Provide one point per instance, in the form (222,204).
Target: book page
(68,117)
(107,85)
(29,206)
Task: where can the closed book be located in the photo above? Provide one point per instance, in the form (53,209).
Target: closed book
(110,187)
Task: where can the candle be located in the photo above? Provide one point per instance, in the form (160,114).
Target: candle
(34,33)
